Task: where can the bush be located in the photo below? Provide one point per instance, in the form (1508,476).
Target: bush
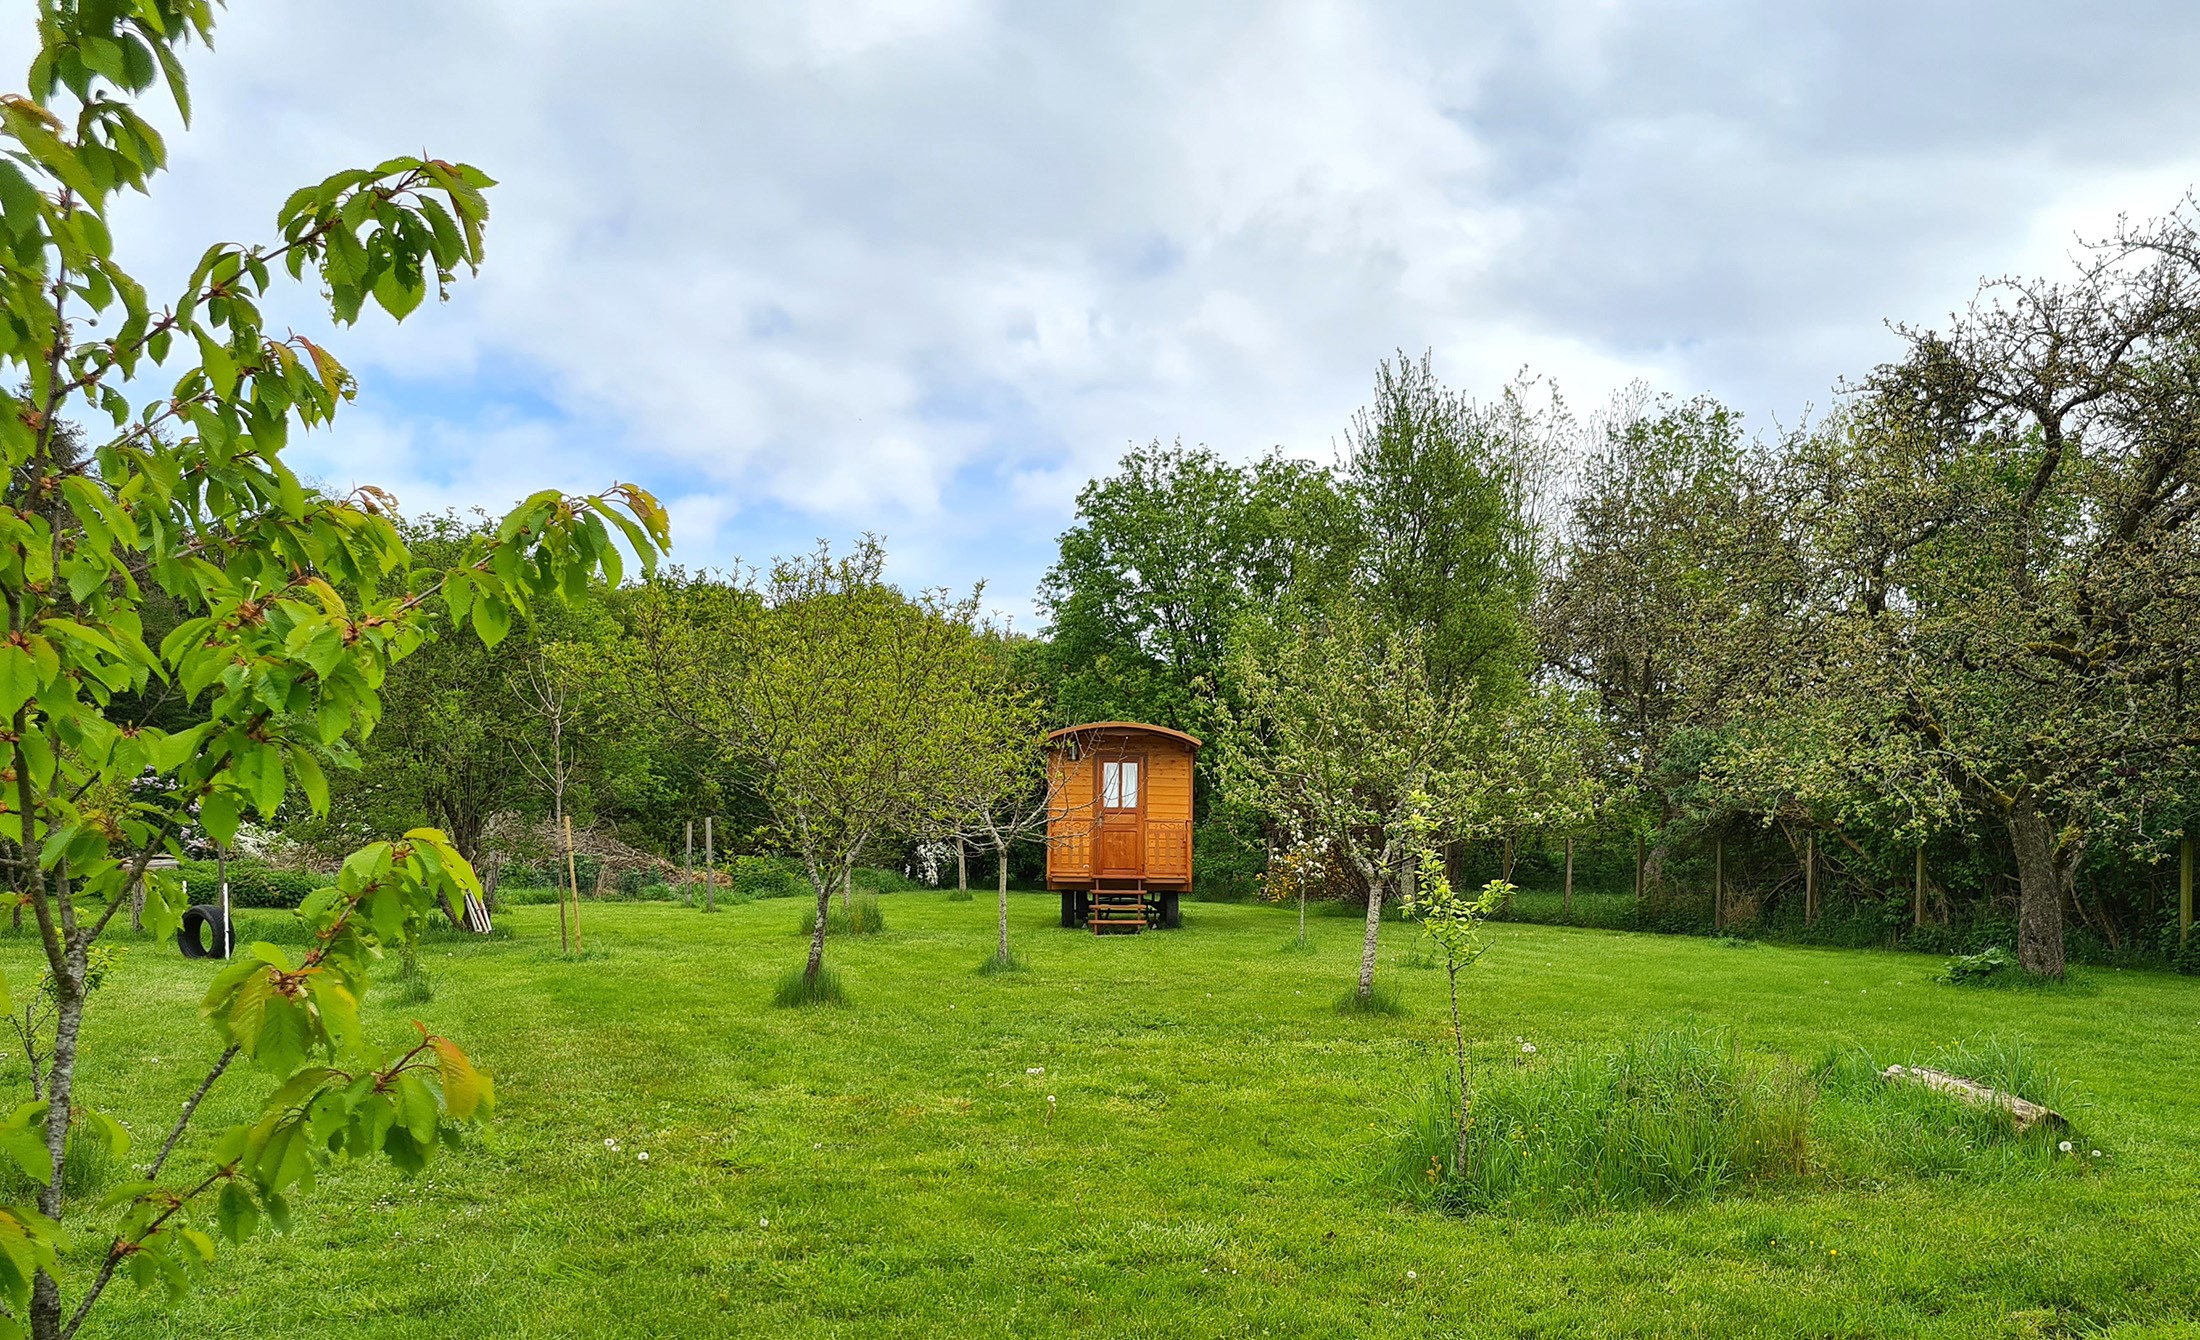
(871,879)
(769,877)
(1990,965)
(1673,1116)
(252,884)
(796,990)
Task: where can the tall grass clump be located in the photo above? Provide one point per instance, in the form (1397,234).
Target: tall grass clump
(862,917)
(798,989)
(997,963)
(1870,1128)
(1673,1116)
(1382,998)
(414,984)
(87,1165)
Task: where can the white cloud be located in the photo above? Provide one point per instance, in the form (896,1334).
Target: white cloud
(924,266)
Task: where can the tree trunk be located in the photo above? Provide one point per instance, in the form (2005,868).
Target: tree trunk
(1569,879)
(962,868)
(710,865)
(1810,878)
(45,1310)
(1459,1055)
(2184,892)
(1718,884)
(1000,849)
(817,930)
(1374,931)
(2043,880)
(572,874)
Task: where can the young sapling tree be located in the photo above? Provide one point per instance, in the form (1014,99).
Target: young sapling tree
(1341,736)
(1000,789)
(186,500)
(1455,923)
(845,696)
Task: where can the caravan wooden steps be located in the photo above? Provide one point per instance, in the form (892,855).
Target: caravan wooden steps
(1118,911)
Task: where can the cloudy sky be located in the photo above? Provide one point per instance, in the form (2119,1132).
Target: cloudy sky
(922,267)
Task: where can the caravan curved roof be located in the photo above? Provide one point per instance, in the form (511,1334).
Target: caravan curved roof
(1092,726)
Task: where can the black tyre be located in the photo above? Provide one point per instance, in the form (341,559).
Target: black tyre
(205,933)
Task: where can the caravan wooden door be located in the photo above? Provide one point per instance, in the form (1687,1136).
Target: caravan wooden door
(1122,784)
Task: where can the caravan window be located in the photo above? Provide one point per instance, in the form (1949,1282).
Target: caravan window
(1119,784)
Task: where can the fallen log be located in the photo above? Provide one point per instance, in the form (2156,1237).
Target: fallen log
(2023,1111)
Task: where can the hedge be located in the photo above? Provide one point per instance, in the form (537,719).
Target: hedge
(252,883)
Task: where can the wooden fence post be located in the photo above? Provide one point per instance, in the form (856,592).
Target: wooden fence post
(710,866)
(565,934)
(687,867)
(1569,876)
(2184,892)
(1718,884)
(1810,878)
(572,872)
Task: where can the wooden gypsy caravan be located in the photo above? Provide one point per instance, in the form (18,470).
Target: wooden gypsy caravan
(1119,824)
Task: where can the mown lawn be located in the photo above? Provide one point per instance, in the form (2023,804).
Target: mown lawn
(1206,1168)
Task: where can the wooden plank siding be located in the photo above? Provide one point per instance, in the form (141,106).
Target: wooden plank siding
(1070,818)
(1169,815)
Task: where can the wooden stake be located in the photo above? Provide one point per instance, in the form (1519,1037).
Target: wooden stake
(1917,900)
(1718,884)
(221,868)
(710,866)
(687,867)
(2184,892)
(1810,878)
(1569,876)
(572,872)
(565,936)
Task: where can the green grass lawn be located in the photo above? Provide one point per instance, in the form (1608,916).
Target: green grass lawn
(1207,1166)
